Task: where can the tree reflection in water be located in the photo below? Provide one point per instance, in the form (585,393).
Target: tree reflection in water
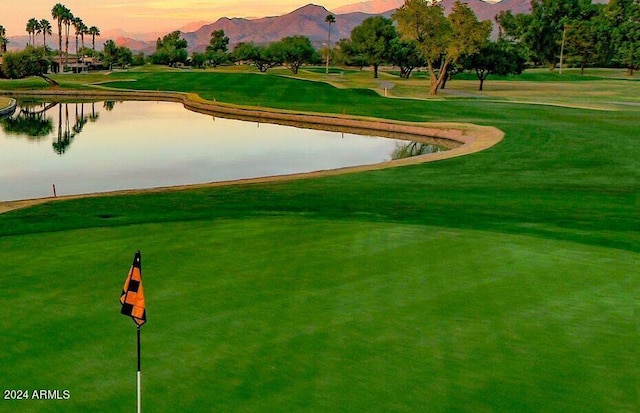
(32,121)
(409,149)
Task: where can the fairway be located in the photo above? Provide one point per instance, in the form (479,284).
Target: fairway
(504,280)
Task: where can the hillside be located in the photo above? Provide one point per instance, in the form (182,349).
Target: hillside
(307,21)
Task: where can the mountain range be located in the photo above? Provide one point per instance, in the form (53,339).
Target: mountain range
(308,20)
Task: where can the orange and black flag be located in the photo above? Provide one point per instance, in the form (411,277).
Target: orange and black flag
(132,298)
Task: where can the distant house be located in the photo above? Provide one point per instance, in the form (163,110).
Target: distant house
(81,65)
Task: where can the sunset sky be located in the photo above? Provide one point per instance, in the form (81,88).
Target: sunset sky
(146,15)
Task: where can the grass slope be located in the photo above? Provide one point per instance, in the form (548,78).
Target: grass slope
(500,281)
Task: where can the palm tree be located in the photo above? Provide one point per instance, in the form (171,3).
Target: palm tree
(94,31)
(59,13)
(68,21)
(79,26)
(3,39)
(45,28)
(330,19)
(33,26)
(83,30)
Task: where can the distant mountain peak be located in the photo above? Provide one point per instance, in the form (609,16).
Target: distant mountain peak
(372,6)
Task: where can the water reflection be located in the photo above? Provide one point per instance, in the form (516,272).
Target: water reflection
(408,149)
(148,144)
(28,121)
(34,121)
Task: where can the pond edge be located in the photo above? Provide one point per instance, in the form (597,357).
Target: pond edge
(463,138)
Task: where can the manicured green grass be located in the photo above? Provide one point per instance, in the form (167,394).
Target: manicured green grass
(499,281)
(294,313)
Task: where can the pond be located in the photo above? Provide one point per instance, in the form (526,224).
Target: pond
(87,147)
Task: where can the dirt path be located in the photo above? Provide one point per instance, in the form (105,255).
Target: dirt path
(463,138)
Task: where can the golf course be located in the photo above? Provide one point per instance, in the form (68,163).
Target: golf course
(505,280)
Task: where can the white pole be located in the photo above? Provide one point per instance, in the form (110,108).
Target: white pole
(139,392)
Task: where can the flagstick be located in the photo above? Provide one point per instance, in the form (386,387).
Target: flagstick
(138,375)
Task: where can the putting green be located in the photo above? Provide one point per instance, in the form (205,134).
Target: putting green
(319,315)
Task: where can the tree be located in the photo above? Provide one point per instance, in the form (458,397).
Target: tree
(294,51)
(587,35)
(32,61)
(500,58)
(93,31)
(3,39)
(216,52)
(405,55)
(60,14)
(263,58)
(110,53)
(441,40)
(68,21)
(124,56)
(219,42)
(113,55)
(372,40)
(624,17)
(347,54)
(33,27)
(198,60)
(138,59)
(170,50)
(45,28)
(80,28)
(330,19)
(542,30)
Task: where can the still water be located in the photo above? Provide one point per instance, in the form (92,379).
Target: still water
(105,146)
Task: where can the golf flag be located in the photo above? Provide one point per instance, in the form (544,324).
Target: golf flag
(132,298)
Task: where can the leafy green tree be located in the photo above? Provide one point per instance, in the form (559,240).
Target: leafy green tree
(294,51)
(32,61)
(499,58)
(542,30)
(346,54)
(113,55)
(138,59)
(198,60)
(170,50)
(405,54)
(219,41)
(624,17)
(588,37)
(110,54)
(216,53)
(441,40)
(372,41)
(263,58)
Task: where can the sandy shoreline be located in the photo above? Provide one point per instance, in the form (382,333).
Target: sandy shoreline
(463,138)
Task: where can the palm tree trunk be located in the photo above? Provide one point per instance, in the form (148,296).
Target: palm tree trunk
(60,69)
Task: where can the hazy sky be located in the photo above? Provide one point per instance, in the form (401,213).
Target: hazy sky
(146,15)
